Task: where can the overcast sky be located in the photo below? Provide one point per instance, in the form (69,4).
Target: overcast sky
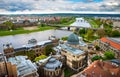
(58,6)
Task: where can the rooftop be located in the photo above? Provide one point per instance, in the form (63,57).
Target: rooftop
(80,22)
(51,63)
(72,50)
(73,39)
(114,42)
(24,67)
(100,69)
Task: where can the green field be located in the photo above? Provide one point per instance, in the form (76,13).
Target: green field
(92,23)
(22,31)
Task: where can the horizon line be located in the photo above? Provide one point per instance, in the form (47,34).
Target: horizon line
(71,12)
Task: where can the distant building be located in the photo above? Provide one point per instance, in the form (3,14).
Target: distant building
(25,68)
(100,69)
(81,22)
(110,44)
(75,52)
(50,67)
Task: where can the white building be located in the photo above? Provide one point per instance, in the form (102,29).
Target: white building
(81,22)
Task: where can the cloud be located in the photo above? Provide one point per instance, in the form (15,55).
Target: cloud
(19,6)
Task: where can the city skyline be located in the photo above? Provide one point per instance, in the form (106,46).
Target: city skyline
(59,6)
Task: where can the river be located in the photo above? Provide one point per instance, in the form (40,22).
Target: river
(22,39)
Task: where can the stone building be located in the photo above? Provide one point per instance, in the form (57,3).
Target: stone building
(109,44)
(50,67)
(7,68)
(75,52)
(8,50)
(32,45)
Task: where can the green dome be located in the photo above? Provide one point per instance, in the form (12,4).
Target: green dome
(73,39)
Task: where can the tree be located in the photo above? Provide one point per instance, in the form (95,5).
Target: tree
(97,47)
(48,49)
(115,33)
(101,33)
(96,58)
(89,35)
(40,57)
(9,24)
(82,31)
(64,38)
(109,55)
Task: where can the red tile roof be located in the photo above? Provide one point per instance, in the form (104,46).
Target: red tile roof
(112,43)
(101,69)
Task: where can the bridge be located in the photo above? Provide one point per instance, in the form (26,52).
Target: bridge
(68,27)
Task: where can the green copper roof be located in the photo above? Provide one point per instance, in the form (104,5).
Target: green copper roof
(73,39)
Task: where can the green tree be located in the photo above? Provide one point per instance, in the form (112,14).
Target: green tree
(115,33)
(97,47)
(96,58)
(101,33)
(109,55)
(9,24)
(64,38)
(40,57)
(89,34)
(48,49)
(82,31)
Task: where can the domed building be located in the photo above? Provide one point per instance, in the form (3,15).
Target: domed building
(73,39)
(75,52)
(50,67)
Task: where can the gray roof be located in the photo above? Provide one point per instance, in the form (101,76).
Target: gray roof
(24,67)
(52,64)
(73,39)
(72,50)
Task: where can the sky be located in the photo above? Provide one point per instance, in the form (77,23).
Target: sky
(59,6)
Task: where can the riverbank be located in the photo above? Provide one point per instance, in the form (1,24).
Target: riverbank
(23,31)
(22,39)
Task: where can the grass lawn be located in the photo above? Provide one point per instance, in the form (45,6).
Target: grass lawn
(22,31)
(92,23)
(68,23)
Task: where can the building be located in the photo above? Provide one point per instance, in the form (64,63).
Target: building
(100,69)
(7,68)
(50,67)
(25,68)
(75,52)
(32,45)
(109,44)
(81,22)
(8,50)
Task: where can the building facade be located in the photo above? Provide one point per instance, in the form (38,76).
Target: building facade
(50,67)
(75,52)
(7,68)
(110,44)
